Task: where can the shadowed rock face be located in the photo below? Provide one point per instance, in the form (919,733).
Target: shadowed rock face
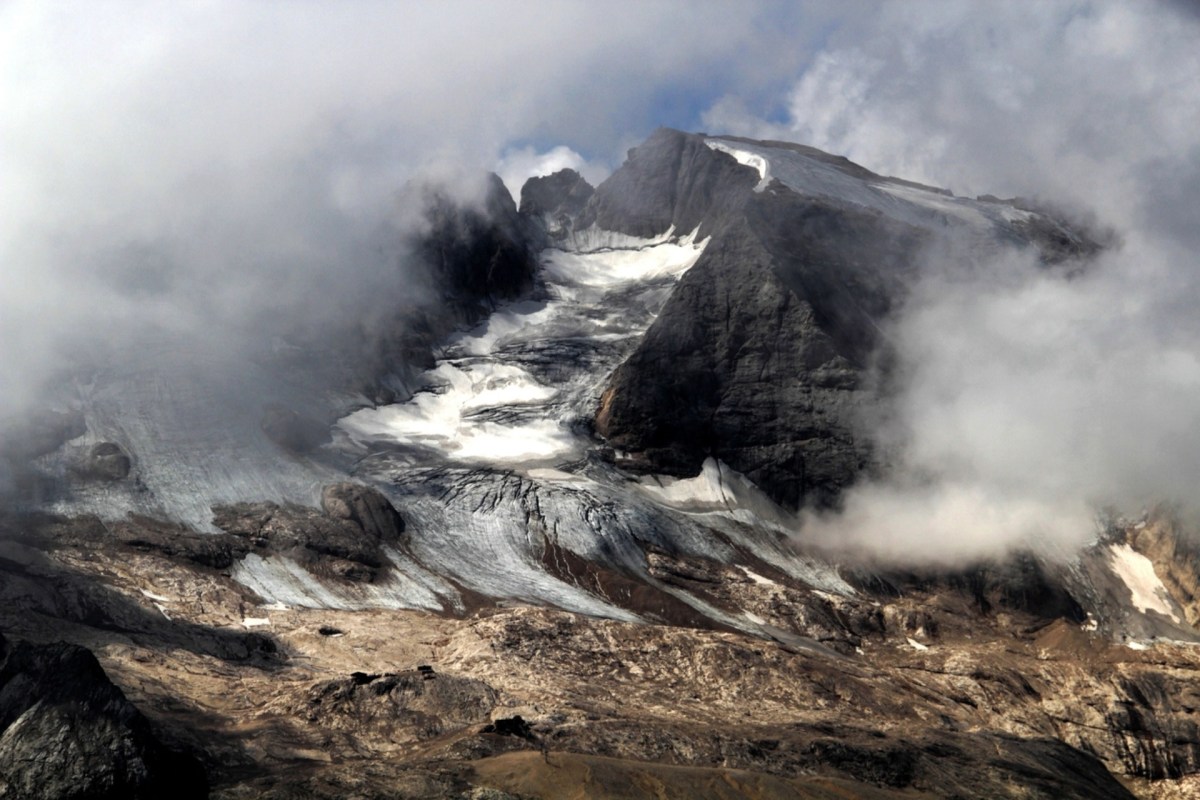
(464,259)
(69,733)
(478,256)
(105,461)
(760,357)
(365,507)
(557,198)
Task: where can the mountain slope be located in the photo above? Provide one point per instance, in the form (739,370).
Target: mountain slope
(572,504)
(760,357)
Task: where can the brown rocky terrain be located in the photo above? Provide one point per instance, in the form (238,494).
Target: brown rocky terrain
(919,694)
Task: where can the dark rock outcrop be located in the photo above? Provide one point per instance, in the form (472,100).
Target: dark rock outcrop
(365,507)
(69,733)
(215,551)
(769,352)
(344,541)
(462,259)
(565,193)
(105,461)
(481,255)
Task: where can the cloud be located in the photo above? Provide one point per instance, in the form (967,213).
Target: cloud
(1026,399)
(214,170)
(518,165)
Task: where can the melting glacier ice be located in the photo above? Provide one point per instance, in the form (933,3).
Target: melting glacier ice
(494,469)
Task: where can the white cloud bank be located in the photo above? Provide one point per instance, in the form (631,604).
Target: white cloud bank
(200,167)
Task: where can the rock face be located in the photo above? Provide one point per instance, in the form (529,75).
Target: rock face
(69,733)
(365,507)
(760,357)
(478,255)
(464,258)
(346,540)
(557,199)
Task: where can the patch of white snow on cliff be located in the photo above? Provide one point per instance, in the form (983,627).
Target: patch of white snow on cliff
(1145,588)
(748,159)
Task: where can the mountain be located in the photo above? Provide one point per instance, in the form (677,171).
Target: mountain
(534,531)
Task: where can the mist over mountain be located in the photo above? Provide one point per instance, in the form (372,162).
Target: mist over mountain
(410,402)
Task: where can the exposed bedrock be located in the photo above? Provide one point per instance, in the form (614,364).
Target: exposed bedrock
(478,255)
(765,355)
(461,260)
(346,539)
(68,733)
(365,507)
(105,461)
(556,200)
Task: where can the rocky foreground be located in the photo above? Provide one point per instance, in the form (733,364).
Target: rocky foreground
(923,686)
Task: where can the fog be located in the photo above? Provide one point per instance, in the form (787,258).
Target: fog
(217,174)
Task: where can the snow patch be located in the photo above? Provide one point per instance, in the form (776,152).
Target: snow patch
(718,488)
(594,238)
(755,618)
(153,596)
(748,159)
(478,407)
(759,579)
(915,645)
(1145,588)
(256,622)
(610,266)
(451,416)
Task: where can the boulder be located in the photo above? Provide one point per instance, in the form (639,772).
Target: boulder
(365,507)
